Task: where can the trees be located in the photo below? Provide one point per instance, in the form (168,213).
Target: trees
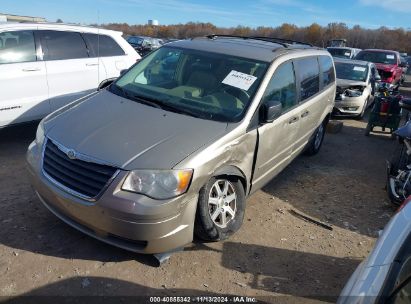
(357,36)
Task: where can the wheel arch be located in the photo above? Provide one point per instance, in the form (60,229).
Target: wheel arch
(231,170)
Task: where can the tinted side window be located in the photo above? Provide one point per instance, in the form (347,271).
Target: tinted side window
(309,75)
(62,45)
(17,46)
(282,87)
(102,45)
(327,70)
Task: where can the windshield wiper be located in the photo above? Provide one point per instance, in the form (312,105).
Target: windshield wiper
(144,100)
(156,103)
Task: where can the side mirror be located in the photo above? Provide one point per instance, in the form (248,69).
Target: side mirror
(270,111)
(105,83)
(122,72)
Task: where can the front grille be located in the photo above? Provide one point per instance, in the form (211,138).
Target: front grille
(85,178)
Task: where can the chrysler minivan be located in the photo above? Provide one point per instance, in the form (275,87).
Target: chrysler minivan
(175,145)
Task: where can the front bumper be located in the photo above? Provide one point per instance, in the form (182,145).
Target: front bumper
(349,105)
(127,220)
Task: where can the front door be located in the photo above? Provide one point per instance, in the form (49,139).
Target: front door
(277,139)
(24,92)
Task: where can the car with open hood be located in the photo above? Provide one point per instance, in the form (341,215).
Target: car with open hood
(356,85)
(174,146)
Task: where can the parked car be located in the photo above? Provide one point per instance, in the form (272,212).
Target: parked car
(144,45)
(45,66)
(338,43)
(177,143)
(343,52)
(356,85)
(385,275)
(388,64)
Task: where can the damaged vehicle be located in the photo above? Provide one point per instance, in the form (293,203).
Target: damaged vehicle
(174,146)
(388,63)
(356,86)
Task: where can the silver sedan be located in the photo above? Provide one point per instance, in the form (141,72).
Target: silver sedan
(385,275)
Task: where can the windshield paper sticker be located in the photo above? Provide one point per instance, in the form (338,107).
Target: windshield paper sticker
(390,57)
(347,54)
(360,69)
(239,80)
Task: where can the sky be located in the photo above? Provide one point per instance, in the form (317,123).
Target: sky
(224,13)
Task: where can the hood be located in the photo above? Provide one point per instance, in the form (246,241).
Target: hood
(130,135)
(345,83)
(385,67)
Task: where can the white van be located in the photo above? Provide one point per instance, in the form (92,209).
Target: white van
(44,66)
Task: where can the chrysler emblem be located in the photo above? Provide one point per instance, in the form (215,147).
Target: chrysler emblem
(71,154)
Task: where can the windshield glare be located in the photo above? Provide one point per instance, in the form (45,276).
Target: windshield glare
(351,71)
(377,57)
(206,85)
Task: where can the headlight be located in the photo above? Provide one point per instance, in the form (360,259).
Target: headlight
(158,184)
(40,134)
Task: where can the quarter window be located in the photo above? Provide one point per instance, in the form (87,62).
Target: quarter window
(62,45)
(17,46)
(327,70)
(102,46)
(282,87)
(309,73)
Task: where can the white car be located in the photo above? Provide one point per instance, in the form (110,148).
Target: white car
(44,66)
(356,86)
(385,275)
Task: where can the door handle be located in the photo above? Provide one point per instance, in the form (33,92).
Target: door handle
(91,64)
(305,114)
(31,69)
(293,120)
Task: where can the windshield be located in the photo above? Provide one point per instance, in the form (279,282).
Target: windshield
(351,71)
(135,40)
(201,84)
(342,53)
(377,57)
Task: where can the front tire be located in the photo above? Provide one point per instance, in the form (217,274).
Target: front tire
(220,209)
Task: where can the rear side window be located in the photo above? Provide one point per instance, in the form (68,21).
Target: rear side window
(282,87)
(59,45)
(17,46)
(309,75)
(327,70)
(102,46)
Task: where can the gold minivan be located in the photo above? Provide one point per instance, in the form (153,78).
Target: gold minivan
(173,147)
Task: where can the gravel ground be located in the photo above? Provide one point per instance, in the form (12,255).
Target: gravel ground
(274,254)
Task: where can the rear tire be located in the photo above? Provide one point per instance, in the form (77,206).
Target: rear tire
(398,162)
(220,209)
(314,145)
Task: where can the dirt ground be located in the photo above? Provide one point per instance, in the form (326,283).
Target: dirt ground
(274,254)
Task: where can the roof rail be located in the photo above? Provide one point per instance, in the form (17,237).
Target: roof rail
(278,40)
(214,36)
(284,42)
